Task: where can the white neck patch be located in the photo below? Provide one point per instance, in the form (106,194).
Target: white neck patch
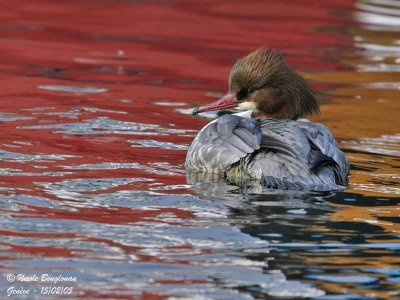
(247,105)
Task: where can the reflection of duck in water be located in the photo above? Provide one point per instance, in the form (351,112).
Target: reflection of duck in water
(265,142)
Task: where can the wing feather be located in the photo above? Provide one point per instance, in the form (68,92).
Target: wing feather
(222,143)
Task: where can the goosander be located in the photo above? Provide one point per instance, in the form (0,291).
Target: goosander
(268,141)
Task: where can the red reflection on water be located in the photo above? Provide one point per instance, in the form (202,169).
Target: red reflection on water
(145,52)
(142,53)
(113,215)
(38,251)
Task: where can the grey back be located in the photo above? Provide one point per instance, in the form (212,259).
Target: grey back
(282,154)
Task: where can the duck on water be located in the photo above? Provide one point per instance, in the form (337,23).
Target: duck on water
(268,141)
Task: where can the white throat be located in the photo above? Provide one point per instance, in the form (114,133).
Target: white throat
(248,105)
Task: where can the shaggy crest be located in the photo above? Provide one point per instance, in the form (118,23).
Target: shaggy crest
(277,91)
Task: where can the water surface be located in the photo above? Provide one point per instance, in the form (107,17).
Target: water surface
(94,113)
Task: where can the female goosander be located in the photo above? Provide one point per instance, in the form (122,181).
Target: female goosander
(268,141)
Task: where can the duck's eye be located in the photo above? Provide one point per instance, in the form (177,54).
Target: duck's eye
(243,93)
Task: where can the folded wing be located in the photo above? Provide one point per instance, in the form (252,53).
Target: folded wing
(314,162)
(222,143)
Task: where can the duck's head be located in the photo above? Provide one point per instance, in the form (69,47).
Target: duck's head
(263,83)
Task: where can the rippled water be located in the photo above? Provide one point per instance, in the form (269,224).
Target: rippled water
(95,113)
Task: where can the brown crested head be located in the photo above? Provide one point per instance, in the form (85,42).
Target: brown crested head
(263,82)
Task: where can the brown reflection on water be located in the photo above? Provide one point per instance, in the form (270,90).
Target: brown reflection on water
(364,115)
(335,263)
(364,111)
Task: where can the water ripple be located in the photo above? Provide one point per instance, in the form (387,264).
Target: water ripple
(157,144)
(73,188)
(72,89)
(385,144)
(14,156)
(10,117)
(105,125)
(162,168)
(201,249)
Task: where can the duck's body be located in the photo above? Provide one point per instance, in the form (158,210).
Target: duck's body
(263,143)
(282,154)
